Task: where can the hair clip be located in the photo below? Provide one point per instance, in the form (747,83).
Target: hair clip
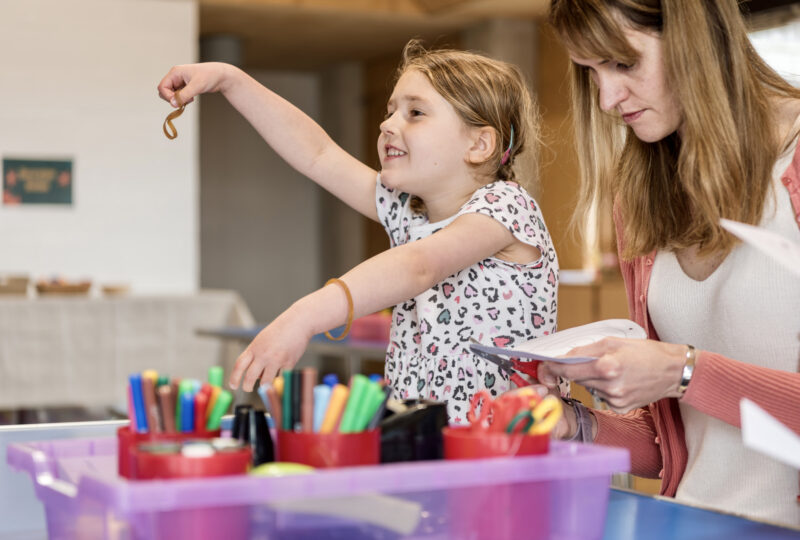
(507,153)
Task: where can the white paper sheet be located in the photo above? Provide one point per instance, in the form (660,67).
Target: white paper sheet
(764,433)
(782,250)
(549,348)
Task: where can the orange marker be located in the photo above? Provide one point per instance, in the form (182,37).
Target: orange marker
(278,385)
(212,400)
(335,408)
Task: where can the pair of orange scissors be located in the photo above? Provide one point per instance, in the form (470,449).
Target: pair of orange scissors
(496,415)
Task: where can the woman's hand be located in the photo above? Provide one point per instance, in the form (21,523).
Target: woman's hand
(628,373)
(194,79)
(278,346)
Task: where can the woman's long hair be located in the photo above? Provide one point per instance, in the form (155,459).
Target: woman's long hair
(673,192)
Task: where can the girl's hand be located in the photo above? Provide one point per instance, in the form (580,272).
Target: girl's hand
(277,346)
(193,80)
(628,373)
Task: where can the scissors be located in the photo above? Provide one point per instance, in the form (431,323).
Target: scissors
(540,418)
(496,414)
(511,367)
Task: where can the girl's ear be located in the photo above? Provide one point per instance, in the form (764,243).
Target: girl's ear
(484,141)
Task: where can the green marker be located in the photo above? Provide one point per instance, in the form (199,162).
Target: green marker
(220,406)
(215,376)
(286,405)
(162,380)
(359,387)
(370,406)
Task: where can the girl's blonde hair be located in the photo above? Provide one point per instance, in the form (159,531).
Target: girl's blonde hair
(484,92)
(673,192)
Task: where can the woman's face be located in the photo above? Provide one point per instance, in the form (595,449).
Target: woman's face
(639,93)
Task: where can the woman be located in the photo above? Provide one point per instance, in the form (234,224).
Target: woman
(680,123)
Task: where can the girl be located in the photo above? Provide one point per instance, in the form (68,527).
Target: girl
(680,123)
(470,254)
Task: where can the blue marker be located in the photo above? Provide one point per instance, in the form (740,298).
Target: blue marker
(262,392)
(330,379)
(322,395)
(135,380)
(187,412)
(376,378)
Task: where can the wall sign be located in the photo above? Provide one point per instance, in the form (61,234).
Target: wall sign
(35,181)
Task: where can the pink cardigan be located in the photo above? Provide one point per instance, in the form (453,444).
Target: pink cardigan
(654,434)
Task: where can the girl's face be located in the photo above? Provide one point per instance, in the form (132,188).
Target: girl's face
(639,93)
(423,142)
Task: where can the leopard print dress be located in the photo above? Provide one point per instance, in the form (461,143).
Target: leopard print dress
(496,302)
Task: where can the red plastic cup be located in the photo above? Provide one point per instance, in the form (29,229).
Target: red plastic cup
(149,466)
(468,443)
(324,450)
(128,440)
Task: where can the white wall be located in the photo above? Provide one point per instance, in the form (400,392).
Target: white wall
(78,79)
(260,219)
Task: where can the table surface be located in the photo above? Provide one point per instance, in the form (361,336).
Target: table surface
(634,516)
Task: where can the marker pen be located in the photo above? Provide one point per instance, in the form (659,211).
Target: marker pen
(212,400)
(200,406)
(297,400)
(275,403)
(371,402)
(223,402)
(135,380)
(375,421)
(358,391)
(335,407)
(215,376)
(166,398)
(286,401)
(151,405)
(307,404)
(187,412)
(322,395)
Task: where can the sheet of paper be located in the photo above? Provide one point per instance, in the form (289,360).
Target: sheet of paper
(764,433)
(782,250)
(550,348)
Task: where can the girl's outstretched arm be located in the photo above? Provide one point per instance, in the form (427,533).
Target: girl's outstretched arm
(386,279)
(289,131)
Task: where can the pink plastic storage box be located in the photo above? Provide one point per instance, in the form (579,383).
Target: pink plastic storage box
(562,495)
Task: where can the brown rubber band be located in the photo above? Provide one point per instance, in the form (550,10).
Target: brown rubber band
(347,326)
(172,133)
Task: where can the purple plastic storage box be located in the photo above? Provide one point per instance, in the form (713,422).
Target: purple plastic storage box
(562,495)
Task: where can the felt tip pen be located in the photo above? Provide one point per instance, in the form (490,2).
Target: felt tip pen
(330,379)
(322,395)
(375,421)
(307,401)
(275,405)
(184,387)
(262,393)
(150,374)
(358,392)
(215,376)
(166,399)
(277,384)
(335,407)
(200,406)
(151,404)
(212,400)
(187,412)
(372,400)
(135,380)
(223,402)
(297,400)
(131,410)
(286,401)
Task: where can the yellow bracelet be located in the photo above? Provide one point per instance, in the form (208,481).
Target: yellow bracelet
(173,132)
(347,326)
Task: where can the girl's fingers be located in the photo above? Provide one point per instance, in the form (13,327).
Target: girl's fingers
(239,368)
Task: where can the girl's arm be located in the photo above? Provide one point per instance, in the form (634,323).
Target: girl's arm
(299,140)
(386,279)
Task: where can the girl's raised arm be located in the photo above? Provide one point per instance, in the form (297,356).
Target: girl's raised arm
(299,140)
